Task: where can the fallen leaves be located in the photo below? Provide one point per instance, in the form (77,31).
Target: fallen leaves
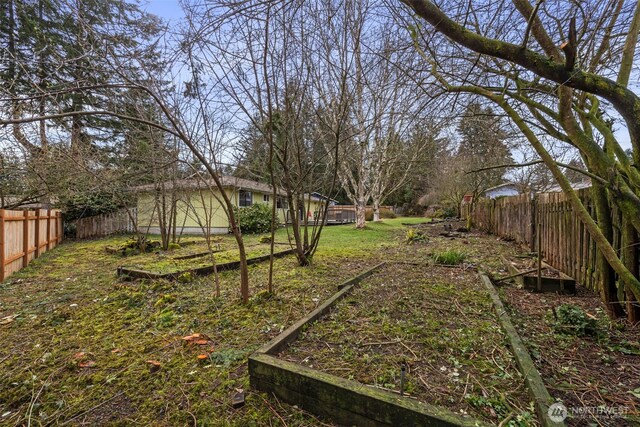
(8,319)
(199,340)
(83,360)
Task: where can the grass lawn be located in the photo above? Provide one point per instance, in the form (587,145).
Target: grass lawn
(78,350)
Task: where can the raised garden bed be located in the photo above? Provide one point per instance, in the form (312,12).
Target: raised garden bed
(343,400)
(133,273)
(551,279)
(436,322)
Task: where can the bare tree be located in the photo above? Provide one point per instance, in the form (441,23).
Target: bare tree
(561,91)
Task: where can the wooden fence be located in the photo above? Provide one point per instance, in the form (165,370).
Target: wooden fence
(565,242)
(24,235)
(104,225)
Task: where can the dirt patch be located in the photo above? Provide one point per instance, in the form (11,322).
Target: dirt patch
(436,321)
(600,371)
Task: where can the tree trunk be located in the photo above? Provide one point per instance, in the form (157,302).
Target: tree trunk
(608,290)
(376,210)
(361,208)
(294,213)
(630,257)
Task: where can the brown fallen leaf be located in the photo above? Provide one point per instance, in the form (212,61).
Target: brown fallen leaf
(79,355)
(87,364)
(201,342)
(8,319)
(202,357)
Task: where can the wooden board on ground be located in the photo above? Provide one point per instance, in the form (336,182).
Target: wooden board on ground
(552,280)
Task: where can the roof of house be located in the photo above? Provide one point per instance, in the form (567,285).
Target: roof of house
(316,195)
(505,185)
(575,186)
(228,181)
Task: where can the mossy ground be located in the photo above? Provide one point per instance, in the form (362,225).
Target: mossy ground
(71,309)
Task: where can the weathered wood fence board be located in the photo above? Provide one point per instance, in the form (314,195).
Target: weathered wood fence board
(122,221)
(25,235)
(565,243)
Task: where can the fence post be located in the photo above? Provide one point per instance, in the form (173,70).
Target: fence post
(59,227)
(2,245)
(37,233)
(48,229)
(534,220)
(25,239)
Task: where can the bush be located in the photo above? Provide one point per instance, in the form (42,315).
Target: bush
(384,214)
(254,219)
(387,214)
(414,235)
(446,212)
(571,319)
(173,246)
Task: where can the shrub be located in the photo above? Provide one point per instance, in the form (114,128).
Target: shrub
(571,319)
(173,246)
(414,235)
(254,219)
(451,257)
(446,212)
(384,214)
(136,246)
(265,239)
(387,214)
(186,277)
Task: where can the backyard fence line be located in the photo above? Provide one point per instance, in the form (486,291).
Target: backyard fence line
(120,221)
(565,242)
(25,235)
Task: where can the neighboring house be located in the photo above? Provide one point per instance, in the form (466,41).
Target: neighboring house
(200,204)
(575,186)
(502,190)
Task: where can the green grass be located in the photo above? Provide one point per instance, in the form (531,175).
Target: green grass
(449,257)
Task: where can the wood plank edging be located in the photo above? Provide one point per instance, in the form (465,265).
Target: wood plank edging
(533,379)
(345,401)
(133,274)
(291,333)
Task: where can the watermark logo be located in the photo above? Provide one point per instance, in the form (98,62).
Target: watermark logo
(557,412)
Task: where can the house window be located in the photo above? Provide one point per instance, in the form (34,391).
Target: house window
(282,203)
(265,198)
(245,198)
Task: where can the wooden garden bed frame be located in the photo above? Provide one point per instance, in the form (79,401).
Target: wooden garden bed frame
(133,274)
(344,401)
(529,282)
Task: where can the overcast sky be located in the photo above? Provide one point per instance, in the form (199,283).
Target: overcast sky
(170,10)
